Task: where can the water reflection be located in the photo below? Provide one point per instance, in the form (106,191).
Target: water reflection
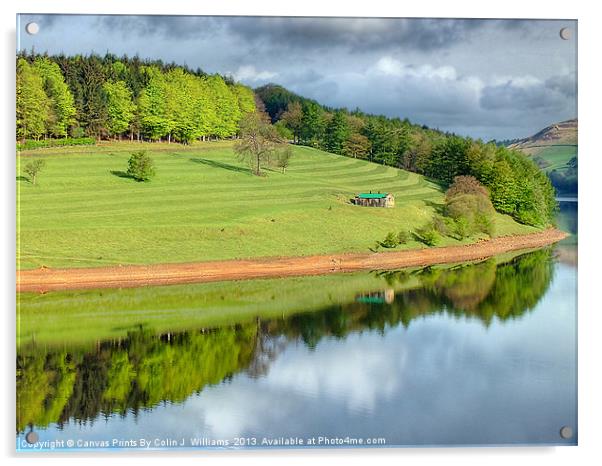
(567,219)
(127,378)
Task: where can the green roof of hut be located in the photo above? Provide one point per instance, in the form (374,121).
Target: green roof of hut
(372,195)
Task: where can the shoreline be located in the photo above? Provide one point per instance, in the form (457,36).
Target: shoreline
(130,276)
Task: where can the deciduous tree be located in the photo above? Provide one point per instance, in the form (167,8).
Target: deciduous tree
(293,118)
(33,168)
(357,146)
(120,108)
(33,105)
(61,104)
(260,142)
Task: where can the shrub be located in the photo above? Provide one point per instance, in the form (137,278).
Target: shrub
(440,225)
(427,235)
(462,228)
(390,241)
(33,168)
(141,166)
(485,223)
(33,144)
(466,185)
(468,205)
(402,237)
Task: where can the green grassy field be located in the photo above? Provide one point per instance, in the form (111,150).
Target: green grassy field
(555,157)
(204,204)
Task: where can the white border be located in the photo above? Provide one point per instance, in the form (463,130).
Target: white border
(590,323)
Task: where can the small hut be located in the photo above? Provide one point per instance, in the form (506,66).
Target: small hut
(374,199)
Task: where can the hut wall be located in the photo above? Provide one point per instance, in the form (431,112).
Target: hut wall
(388,201)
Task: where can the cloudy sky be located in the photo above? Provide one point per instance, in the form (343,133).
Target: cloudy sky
(482,78)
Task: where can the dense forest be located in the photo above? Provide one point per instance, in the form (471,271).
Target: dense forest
(110,97)
(115,97)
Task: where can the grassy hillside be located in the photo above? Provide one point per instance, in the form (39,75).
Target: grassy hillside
(554,157)
(204,204)
(563,133)
(553,149)
(553,146)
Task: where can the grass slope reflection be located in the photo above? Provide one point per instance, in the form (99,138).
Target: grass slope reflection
(57,384)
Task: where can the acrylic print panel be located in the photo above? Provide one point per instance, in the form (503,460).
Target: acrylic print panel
(247,232)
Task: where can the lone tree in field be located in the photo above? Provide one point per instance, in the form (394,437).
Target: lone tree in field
(284,158)
(141,166)
(33,168)
(260,144)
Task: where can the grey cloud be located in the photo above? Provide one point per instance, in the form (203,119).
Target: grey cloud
(303,77)
(310,75)
(551,94)
(280,32)
(565,84)
(358,34)
(176,27)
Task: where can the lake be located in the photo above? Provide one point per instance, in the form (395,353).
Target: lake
(472,354)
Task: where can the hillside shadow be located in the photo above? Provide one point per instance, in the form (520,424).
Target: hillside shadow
(216,164)
(121,174)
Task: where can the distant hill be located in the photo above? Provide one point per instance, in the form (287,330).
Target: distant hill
(554,150)
(557,134)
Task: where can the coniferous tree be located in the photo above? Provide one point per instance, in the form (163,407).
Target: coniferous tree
(312,124)
(336,133)
(94,118)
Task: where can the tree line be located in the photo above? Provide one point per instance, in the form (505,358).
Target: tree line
(115,97)
(516,185)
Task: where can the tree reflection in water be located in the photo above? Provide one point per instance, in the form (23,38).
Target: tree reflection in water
(145,369)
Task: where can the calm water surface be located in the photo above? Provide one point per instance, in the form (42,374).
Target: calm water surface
(476,354)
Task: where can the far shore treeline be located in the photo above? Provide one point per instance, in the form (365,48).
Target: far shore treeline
(120,97)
